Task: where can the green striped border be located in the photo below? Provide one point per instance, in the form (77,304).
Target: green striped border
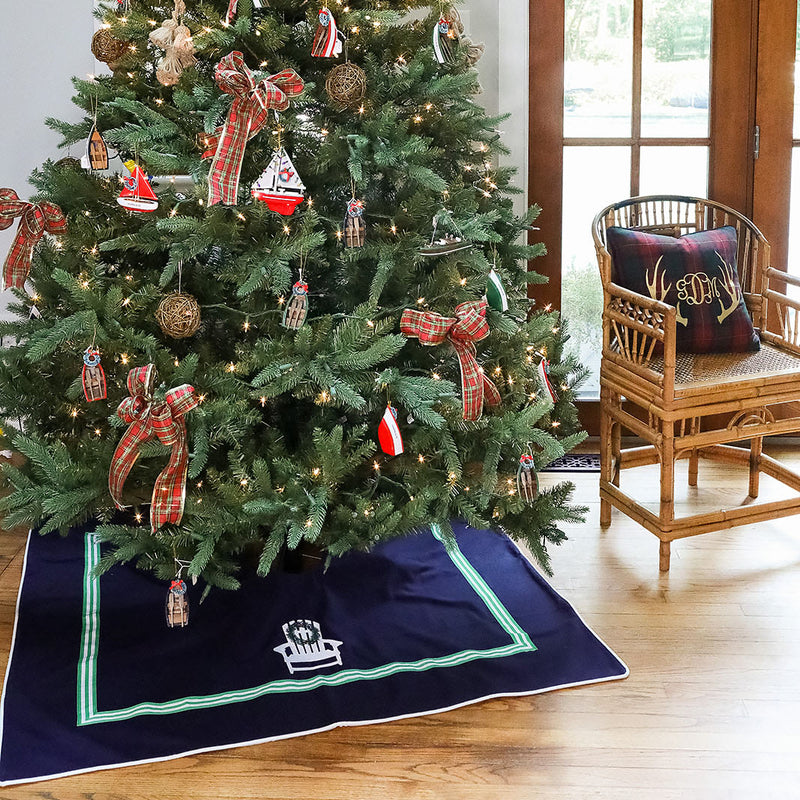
(88,713)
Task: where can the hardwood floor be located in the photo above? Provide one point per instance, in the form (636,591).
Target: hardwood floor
(711,709)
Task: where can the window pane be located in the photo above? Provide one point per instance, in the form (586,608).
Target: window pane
(594,177)
(674,170)
(794,223)
(675,68)
(598,42)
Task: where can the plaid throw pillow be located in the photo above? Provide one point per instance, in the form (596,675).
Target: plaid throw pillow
(695,273)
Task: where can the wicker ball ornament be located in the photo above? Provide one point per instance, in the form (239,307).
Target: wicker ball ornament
(178,315)
(107,48)
(346,84)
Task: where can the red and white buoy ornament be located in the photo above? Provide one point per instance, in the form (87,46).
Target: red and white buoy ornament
(137,194)
(544,377)
(389,436)
(328,40)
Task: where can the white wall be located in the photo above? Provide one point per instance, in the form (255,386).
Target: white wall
(45,42)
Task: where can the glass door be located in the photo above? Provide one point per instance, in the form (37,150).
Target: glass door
(635,121)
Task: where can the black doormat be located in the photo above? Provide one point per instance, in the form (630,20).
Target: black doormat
(575,462)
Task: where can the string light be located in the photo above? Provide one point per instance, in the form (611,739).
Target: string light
(316,471)
(246,325)
(420,301)
(376,466)
(394,228)
(138,516)
(201,398)
(231,367)
(97,431)
(124,358)
(73,413)
(309,523)
(421,458)
(436,376)
(243,481)
(263,401)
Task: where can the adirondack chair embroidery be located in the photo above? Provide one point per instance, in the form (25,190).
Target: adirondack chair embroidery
(305,649)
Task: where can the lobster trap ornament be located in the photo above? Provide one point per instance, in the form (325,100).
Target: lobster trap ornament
(496,293)
(93,377)
(527,479)
(279,186)
(544,377)
(137,194)
(389,436)
(177,605)
(355,229)
(294,316)
(328,39)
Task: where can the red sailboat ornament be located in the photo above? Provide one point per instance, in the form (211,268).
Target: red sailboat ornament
(136,194)
(389,436)
(280,186)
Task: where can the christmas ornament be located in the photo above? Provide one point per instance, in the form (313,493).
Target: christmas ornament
(389,436)
(355,229)
(123,6)
(107,48)
(346,84)
(148,420)
(68,162)
(297,308)
(544,376)
(136,194)
(233,6)
(176,40)
(177,605)
(35,220)
(328,40)
(178,315)
(445,38)
(96,156)
(496,293)
(247,117)
(474,52)
(280,186)
(93,376)
(445,245)
(527,479)
(462,331)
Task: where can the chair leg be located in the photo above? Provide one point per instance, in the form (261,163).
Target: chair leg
(605,454)
(663,556)
(755,464)
(694,456)
(667,456)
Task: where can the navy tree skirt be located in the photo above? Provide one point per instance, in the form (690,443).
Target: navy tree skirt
(97,680)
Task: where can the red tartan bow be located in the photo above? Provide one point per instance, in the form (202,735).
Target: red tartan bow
(35,220)
(248,115)
(469,326)
(163,422)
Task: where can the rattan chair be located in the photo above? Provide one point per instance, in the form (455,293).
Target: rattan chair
(684,405)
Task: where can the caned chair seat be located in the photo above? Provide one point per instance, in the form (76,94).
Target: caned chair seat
(702,371)
(688,405)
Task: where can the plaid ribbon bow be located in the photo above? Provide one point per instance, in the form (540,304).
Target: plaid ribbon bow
(248,115)
(164,422)
(468,326)
(34,221)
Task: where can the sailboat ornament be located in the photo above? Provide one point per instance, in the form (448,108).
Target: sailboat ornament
(280,186)
(136,194)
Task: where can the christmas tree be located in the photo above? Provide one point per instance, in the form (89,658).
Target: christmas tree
(271,325)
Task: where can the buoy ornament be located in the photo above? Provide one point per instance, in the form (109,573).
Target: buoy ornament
(389,436)
(328,39)
(496,293)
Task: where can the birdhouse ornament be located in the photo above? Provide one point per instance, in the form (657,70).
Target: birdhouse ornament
(389,436)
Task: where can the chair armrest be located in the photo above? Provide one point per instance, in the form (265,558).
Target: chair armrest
(638,329)
(785,312)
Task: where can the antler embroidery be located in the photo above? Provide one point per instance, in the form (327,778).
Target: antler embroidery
(728,286)
(656,290)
